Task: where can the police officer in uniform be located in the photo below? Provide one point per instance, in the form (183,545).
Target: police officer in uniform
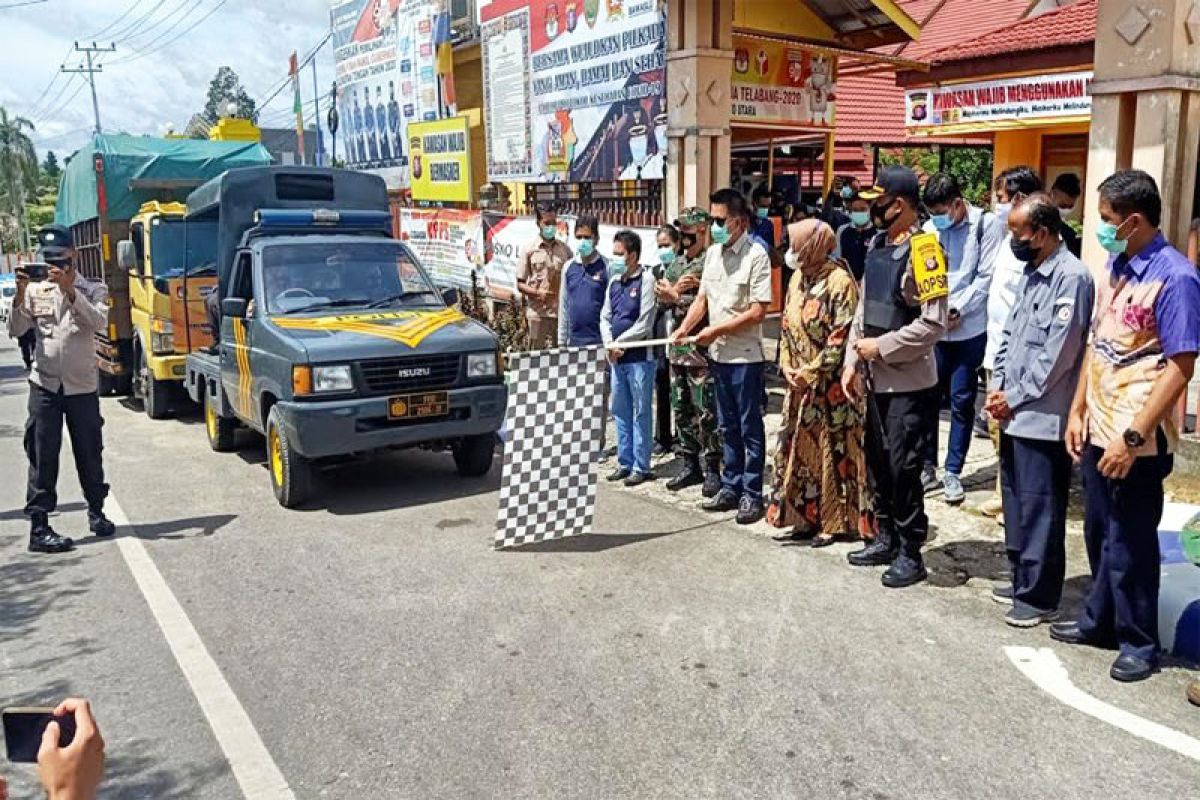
(692,395)
(899,320)
(64,311)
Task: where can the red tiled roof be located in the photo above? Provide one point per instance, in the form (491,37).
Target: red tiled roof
(870,108)
(1070,25)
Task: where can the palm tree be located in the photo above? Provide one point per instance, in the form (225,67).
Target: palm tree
(18,166)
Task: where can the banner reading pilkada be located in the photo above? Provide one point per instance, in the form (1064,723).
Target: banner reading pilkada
(776,83)
(574,90)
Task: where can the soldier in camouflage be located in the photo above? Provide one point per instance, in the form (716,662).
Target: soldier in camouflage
(692,395)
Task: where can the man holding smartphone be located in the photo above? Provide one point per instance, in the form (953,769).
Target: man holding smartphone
(64,310)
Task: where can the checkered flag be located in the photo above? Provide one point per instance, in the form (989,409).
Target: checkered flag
(553,424)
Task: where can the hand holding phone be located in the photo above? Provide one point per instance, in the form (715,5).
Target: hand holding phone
(25,727)
(34,271)
(72,771)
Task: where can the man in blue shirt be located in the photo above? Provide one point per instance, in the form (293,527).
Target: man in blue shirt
(971,239)
(584,284)
(1033,383)
(762,227)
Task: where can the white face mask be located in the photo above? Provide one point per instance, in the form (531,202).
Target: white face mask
(660,138)
(1002,209)
(637,148)
(790,258)
(1066,212)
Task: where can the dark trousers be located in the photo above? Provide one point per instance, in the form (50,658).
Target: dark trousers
(662,404)
(958,376)
(43,441)
(1035,478)
(739,389)
(1121,529)
(898,429)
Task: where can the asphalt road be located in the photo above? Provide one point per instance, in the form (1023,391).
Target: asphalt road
(382,649)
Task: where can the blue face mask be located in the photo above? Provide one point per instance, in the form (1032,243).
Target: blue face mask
(617,265)
(860,219)
(941,221)
(761,213)
(586,248)
(847,192)
(1107,235)
(720,234)
(549,232)
(666,255)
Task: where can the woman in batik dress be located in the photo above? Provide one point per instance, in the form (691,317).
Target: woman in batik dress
(820,488)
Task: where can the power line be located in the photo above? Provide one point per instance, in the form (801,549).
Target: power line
(52,102)
(20,3)
(132,28)
(174,38)
(116,21)
(151,36)
(37,103)
(56,111)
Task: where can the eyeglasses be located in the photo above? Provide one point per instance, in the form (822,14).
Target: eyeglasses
(718,221)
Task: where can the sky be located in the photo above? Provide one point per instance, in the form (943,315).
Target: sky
(165,79)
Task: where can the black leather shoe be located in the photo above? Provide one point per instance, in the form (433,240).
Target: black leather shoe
(878,553)
(822,541)
(45,540)
(690,475)
(618,474)
(100,525)
(725,500)
(1130,669)
(750,511)
(638,478)
(904,571)
(712,483)
(1070,633)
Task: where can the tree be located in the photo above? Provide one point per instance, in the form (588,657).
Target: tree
(972,167)
(18,169)
(50,165)
(225,88)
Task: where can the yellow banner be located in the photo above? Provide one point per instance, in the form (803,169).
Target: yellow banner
(777,83)
(440,160)
(407,327)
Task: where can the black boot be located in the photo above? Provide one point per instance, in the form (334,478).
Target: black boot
(100,525)
(43,539)
(908,569)
(712,478)
(690,475)
(879,553)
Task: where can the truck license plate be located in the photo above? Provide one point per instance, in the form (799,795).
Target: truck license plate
(415,406)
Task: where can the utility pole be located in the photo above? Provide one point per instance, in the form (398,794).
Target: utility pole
(90,70)
(317,115)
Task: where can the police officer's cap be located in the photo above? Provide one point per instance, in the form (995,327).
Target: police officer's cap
(692,216)
(56,243)
(896,181)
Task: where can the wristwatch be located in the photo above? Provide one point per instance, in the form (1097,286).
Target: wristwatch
(1133,439)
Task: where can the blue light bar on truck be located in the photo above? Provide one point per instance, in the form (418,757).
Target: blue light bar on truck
(324,218)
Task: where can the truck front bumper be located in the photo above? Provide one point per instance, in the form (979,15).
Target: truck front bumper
(340,427)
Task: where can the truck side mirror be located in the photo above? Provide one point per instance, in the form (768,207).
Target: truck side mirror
(234,307)
(450,296)
(126,255)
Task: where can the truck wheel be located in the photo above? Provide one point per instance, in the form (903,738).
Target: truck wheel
(473,455)
(220,430)
(291,474)
(156,396)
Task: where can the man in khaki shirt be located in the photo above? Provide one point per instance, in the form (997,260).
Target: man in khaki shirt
(539,279)
(65,311)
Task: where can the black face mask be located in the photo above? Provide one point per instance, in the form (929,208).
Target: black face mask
(1023,249)
(688,239)
(879,214)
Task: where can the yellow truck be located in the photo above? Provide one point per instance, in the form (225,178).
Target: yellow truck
(172,268)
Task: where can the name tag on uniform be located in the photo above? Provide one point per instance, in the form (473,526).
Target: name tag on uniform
(41,299)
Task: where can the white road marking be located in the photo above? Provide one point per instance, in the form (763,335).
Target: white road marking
(1042,667)
(252,766)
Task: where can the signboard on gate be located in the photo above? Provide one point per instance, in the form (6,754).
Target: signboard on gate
(777,83)
(574,90)
(440,160)
(1064,94)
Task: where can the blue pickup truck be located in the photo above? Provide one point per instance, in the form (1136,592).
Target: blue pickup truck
(333,339)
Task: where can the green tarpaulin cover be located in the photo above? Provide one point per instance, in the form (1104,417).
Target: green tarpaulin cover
(132,160)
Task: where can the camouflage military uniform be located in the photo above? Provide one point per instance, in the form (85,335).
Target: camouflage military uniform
(693,398)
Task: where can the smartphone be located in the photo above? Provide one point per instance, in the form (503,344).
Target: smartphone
(23,729)
(36,271)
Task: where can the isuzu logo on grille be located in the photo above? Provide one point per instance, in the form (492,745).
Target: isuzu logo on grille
(415,372)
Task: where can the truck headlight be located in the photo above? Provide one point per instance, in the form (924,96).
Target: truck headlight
(481,365)
(162,336)
(332,379)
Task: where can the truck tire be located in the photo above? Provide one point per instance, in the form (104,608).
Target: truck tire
(473,455)
(220,430)
(291,474)
(156,396)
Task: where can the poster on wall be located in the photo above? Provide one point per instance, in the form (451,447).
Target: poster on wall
(587,80)
(449,243)
(776,83)
(386,78)
(440,160)
(1065,94)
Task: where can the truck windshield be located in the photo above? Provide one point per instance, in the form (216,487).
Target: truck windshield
(299,277)
(167,256)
